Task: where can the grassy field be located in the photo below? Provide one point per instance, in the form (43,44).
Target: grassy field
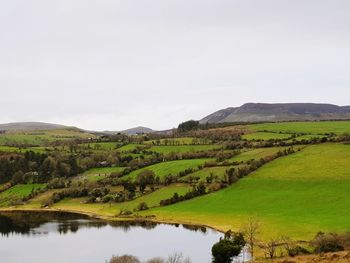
(106,146)
(337,127)
(183,148)
(178,141)
(41,137)
(204,173)
(152,200)
(255,154)
(166,168)
(18,191)
(129,147)
(97,174)
(297,195)
(265,136)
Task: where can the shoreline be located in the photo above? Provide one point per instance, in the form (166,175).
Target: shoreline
(111,218)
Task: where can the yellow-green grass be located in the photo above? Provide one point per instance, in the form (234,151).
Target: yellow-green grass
(42,137)
(297,196)
(202,174)
(256,154)
(129,147)
(96,174)
(323,127)
(105,146)
(178,141)
(306,137)
(152,200)
(165,168)
(265,136)
(183,148)
(24,149)
(17,191)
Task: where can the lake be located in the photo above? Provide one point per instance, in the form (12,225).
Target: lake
(63,237)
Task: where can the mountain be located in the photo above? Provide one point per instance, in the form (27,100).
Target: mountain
(32,126)
(137,130)
(264,112)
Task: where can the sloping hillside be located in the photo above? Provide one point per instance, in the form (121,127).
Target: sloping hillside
(263,112)
(31,126)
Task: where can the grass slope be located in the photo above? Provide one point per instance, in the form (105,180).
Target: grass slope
(152,200)
(183,148)
(16,192)
(166,168)
(256,154)
(297,195)
(323,127)
(265,136)
(41,137)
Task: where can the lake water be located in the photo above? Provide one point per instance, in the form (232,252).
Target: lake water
(64,238)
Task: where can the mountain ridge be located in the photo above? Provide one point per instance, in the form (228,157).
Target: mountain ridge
(267,112)
(33,126)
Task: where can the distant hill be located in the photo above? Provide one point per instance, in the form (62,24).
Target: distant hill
(32,126)
(264,112)
(137,130)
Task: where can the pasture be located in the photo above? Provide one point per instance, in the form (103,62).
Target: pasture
(297,196)
(169,168)
(322,127)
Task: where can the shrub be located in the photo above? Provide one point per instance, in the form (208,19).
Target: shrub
(124,259)
(324,243)
(228,247)
(142,206)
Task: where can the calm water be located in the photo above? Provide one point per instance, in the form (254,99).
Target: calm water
(60,237)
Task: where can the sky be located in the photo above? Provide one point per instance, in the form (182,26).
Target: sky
(116,64)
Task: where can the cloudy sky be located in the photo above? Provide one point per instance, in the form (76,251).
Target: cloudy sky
(115,64)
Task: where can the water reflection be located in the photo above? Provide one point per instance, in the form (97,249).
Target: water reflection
(76,238)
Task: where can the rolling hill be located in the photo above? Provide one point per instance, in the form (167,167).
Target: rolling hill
(264,112)
(32,126)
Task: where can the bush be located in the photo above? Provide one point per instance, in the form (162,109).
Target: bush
(296,251)
(228,247)
(142,206)
(124,259)
(324,243)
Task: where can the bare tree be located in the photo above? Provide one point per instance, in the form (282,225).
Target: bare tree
(156,260)
(271,248)
(124,259)
(177,258)
(251,230)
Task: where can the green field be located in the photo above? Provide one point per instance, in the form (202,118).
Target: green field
(129,147)
(204,173)
(323,127)
(255,154)
(106,146)
(152,200)
(41,137)
(96,174)
(183,148)
(17,191)
(166,168)
(265,136)
(297,195)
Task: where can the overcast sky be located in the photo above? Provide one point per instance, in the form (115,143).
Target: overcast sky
(111,65)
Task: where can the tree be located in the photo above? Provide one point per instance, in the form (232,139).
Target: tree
(228,247)
(188,126)
(145,178)
(17,178)
(271,248)
(177,258)
(124,259)
(251,230)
